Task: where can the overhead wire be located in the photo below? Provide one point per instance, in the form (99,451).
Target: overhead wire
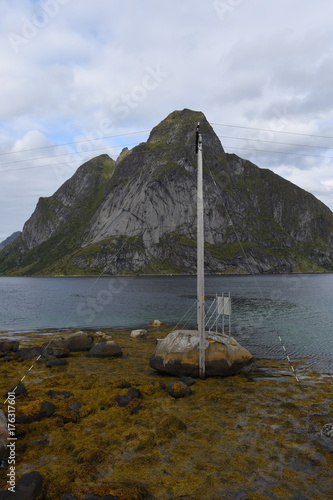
(145,131)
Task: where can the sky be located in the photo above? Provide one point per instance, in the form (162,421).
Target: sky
(84,77)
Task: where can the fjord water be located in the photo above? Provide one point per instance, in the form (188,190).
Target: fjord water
(298,308)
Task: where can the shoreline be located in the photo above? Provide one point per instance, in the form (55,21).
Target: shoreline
(133,275)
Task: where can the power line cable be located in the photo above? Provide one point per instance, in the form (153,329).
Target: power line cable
(274,142)
(64,154)
(274,131)
(277,152)
(74,142)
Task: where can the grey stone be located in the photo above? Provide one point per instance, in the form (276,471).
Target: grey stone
(105,349)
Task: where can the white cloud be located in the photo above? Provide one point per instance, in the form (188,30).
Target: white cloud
(83,69)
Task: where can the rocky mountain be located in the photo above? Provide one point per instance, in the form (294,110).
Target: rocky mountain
(10,238)
(138,214)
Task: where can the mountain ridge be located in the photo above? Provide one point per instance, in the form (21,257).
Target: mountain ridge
(138,214)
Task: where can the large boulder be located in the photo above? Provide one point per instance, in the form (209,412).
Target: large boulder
(76,341)
(178,354)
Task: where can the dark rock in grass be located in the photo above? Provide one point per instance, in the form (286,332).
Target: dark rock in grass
(56,362)
(60,394)
(178,389)
(124,385)
(29,487)
(74,342)
(105,349)
(64,419)
(9,346)
(25,353)
(131,394)
(136,409)
(46,410)
(19,390)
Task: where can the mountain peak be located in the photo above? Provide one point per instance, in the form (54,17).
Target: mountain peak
(138,215)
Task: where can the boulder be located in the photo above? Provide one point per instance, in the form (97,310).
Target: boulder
(60,394)
(3,436)
(156,322)
(138,334)
(19,389)
(131,394)
(9,346)
(46,410)
(178,354)
(178,389)
(29,487)
(56,362)
(105,349)
(75,342)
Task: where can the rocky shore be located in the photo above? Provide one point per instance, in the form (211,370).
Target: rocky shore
(93,420)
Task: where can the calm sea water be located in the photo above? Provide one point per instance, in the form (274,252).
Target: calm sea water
(296,308)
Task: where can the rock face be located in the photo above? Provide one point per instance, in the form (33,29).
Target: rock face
(178,354)
(138,214)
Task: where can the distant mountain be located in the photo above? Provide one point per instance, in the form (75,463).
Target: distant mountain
(8,240)
(138,214)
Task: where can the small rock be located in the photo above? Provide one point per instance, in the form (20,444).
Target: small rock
(29,487)
(156,322)
(105,349)
(20,390)
(56,362)
(64,419)
(46,410)
(327,430)
(178,389)
(136,409)
(132,393)
(138,334)
(124,385)
(60,394)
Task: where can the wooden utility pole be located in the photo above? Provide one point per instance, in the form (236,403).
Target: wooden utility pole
(200,257)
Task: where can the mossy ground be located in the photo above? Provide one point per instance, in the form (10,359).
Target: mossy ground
(251,436)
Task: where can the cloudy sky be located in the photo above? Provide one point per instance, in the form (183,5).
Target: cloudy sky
(84,77)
